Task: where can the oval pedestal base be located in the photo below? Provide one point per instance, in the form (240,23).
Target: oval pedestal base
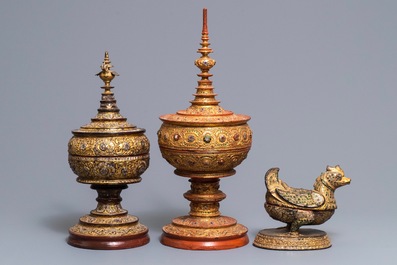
(282,239)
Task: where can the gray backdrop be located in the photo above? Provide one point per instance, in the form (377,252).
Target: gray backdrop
(317,77)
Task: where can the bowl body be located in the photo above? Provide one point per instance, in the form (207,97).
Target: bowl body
(119,159)
(197,150)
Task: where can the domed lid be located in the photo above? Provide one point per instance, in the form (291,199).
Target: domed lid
(108,120)
(205,109)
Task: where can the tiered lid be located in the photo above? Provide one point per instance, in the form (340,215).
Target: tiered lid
(205,109)
(108,120)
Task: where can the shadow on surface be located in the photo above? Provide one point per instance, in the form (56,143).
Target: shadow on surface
(156,220)
(62,222)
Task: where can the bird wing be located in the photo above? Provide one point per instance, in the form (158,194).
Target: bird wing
(302,197)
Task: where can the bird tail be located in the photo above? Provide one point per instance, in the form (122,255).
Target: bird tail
(271,179)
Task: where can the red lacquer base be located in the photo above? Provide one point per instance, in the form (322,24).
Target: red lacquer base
(108,243)
(192,244)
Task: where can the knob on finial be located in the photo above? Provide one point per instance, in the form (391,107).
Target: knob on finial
(106,74)
(205,63)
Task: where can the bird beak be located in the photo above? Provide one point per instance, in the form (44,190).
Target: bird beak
(346,181)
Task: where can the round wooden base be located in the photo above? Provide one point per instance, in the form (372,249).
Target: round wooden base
(204,244)
(196,233)
(282,239)
(108,232)
(108,243)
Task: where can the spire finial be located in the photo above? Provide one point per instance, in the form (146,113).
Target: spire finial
(205,50)
(205,94)
(106,74)
(108,101)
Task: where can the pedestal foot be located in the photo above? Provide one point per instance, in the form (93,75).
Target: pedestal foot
(108,233)
(109,226)
(282,239)
(194,233)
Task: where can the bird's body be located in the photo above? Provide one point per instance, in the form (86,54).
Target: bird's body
(297,207)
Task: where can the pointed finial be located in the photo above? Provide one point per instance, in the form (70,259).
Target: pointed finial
(205,94)
(106,74)
(108,101)
(205,63)
(205,28)
(205,50)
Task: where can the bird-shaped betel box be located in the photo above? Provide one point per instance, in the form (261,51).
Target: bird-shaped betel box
(297,207)
(108,153)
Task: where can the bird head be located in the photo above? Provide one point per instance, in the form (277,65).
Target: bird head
(335,177)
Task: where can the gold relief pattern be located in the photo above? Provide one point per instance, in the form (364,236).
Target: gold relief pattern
(207,138)
(109,116)
(203,112)
(189,221)
(198,115)
(94,220)
(109,146)
(108,231)
(220,161)
(289,215)
(276,239)
(204,209)
(111,126)
(111,170)
(205,188)
(213,233)
(108,209)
